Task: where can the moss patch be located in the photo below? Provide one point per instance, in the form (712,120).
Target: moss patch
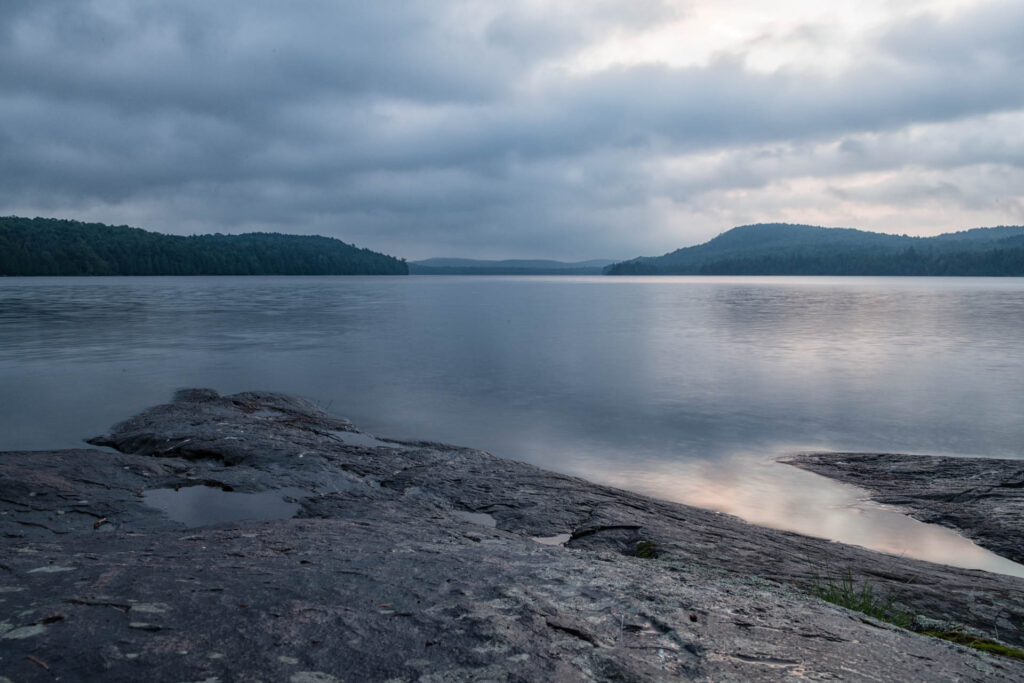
(646,550)
(983,644)
(845,593)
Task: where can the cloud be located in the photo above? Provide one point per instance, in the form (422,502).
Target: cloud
(459,128)
(983,35)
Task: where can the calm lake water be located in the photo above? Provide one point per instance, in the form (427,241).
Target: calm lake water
(684,388)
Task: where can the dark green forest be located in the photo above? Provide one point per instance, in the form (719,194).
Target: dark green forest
(48,246)
(785,249)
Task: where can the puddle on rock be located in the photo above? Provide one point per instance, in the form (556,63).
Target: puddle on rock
(557,539)
(481,518)
(201,505)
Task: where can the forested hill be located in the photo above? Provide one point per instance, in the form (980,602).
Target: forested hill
(48,246)
(785,249)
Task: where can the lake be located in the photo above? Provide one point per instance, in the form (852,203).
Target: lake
(685,388)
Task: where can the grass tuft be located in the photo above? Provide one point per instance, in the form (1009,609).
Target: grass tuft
(845,593)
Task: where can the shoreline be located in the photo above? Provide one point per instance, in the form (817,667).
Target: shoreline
(391,568)
(981,498)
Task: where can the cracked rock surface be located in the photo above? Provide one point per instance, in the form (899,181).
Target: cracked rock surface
(982,498)
(417,561)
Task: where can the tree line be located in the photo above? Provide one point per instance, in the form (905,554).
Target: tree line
(995,262)
(782,249)
(47,246)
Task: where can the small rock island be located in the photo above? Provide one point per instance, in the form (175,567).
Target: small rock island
(254,537)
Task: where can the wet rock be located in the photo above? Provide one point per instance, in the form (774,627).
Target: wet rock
(23,632)
(391,569)
(983,498)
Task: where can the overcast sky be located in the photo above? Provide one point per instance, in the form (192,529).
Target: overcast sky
(513,128)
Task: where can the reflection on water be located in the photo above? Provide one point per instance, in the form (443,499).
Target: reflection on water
(766,492)
(556,540)
(481,518)
(196,506)
(683,388)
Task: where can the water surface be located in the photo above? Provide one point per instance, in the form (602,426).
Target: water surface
(200,505)
(681,387)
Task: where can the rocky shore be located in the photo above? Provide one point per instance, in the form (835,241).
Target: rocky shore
(378,559)
(982,498)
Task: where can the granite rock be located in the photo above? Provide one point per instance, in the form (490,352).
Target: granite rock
(422,561)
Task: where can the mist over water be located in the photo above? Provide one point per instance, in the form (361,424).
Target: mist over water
(684,388)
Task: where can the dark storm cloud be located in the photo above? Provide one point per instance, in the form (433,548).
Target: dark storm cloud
(421,127)
(245,65)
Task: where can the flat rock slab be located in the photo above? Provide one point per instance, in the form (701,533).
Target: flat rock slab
(982,498)
(416,561)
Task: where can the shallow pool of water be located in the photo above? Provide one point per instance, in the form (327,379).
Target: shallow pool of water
(196,506)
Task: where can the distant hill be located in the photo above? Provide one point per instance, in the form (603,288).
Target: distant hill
(462,266)
(48,246)
(785,249)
